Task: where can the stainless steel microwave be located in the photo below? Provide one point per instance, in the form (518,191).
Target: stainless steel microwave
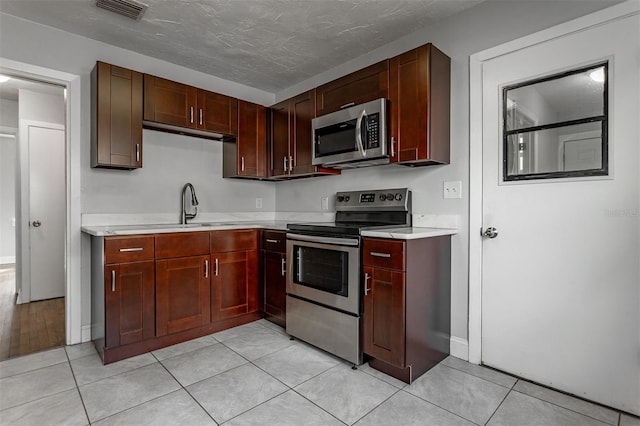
(352,137)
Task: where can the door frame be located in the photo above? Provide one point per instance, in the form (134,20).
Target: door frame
(23,258)
(476,61)
(73,147)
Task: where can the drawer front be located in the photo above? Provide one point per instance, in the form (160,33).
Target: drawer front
(128,249)
(182,244)
(274,241)
(380,253)
(236,240)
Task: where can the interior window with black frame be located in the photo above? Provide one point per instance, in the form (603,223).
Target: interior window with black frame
(556,126)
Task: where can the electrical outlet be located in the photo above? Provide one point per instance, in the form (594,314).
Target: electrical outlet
(452,189)
(258,203)
(324,203)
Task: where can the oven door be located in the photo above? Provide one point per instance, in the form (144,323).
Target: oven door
(325,270)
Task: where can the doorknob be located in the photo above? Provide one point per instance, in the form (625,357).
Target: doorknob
(490,232)
(36,224)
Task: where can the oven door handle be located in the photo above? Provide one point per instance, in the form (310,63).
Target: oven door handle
(325,240)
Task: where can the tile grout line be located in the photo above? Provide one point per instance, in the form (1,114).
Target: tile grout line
(378,405)
(183,388)
(73,374)
(511,389)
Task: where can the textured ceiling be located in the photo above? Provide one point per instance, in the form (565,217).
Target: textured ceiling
(267,44)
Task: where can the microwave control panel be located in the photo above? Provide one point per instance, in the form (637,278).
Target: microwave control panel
(373,131)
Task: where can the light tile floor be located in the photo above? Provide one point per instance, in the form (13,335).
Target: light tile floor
(255,375)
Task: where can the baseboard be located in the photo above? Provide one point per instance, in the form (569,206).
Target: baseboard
(5,260)
(85,333)
(459,348)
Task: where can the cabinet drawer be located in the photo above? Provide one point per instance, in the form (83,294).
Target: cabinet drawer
(182,244)
(383,253)
(242,239)
(274,241)
(128,249)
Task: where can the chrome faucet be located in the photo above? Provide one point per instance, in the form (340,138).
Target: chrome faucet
(184,216)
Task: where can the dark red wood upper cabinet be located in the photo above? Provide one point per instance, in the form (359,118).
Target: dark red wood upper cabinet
(364,85)
(116,99)
(419,95)
(291,138)
(172,106)
(251,143)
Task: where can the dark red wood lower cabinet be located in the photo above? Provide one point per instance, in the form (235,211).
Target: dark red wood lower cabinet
(182,294)
(129,303)
(234,284)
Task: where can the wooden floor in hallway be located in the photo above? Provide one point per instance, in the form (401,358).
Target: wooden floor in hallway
(30,327)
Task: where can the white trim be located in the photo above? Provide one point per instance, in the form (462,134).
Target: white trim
(72,82)
(86,333)
(617,12)
(459,348)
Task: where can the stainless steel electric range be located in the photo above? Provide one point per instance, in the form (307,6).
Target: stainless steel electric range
(324,277)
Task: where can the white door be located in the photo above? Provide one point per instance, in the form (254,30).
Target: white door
(47,201)
(560,282)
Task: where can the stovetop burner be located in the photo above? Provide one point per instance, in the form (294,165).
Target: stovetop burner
(358,210)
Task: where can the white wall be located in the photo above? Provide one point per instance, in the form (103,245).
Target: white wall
(8,113)
(7,199)
(8,121)
(473,30)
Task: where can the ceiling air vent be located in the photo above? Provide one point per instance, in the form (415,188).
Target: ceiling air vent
(129,8)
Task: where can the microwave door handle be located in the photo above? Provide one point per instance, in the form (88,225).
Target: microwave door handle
(359,133)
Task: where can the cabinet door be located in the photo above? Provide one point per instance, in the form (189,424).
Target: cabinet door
(303,110)
(279,118)
(384,315)
(117,130)
(129,303)
(419,93)
(234,284)
(182,294)
(251,142)
(217,113)
(274,284)
(361,86)
(168,102)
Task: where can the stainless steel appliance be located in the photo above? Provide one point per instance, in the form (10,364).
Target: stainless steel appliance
(352,137)
(324,277)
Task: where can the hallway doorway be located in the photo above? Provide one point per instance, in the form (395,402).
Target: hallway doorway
(28,324)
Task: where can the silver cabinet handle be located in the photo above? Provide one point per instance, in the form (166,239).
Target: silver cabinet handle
(242,163)
(290,163)
(113,280)
(201,116)
(393,146)
(376,254)
(206,269)
(271,241)
(137,153)
(366,281)
(124,250)
(36,223)
(285,163)
(216,270)
(347,105)
(191,114)
(283,266)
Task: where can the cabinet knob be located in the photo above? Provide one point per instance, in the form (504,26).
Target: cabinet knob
(36,223)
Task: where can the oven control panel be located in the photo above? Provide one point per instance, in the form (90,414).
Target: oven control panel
(378,199)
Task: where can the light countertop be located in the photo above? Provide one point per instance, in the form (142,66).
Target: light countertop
(392,233)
